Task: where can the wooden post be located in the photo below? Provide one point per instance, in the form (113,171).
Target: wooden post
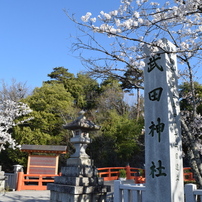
(56,164)
(128,173)
(20,181)
(109,172)
(28,163)
(40,184)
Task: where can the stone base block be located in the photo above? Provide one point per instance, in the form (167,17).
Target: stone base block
(78,181)
(76,190)
(79,161)
(66,197)
(79,171)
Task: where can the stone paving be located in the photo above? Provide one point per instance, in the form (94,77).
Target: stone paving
(26,196)
(31,195)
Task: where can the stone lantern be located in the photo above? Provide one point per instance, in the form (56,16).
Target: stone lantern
(79,181)
(81,128)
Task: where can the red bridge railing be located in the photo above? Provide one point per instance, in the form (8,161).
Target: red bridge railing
(112,173)
(137,174)
(188,175)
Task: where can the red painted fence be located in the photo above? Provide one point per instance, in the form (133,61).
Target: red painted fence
(112,173)
(137,174)
(33,181)
(188,175)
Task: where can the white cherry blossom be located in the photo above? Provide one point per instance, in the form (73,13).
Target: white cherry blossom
(9,111)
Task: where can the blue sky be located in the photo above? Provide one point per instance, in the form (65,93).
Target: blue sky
(35,37)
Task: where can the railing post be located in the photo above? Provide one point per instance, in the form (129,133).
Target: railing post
(128,172)
(40,184)
(189,192)
(117,191)
(20,181)
(109,172)
(143,196)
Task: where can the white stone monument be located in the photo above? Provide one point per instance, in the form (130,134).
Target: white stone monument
(163,146)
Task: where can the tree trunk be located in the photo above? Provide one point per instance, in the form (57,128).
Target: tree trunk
(138,103)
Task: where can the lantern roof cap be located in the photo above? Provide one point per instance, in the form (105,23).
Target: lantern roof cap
(82,123)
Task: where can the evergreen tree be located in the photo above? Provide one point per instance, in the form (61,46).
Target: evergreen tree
(82,88)
(121,136)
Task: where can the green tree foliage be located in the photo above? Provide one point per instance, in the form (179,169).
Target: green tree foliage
(186,98)
(120,137)
(50,104)
(132,78)
(120,141)
(83,88)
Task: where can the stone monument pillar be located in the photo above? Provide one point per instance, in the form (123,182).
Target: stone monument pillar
(79,181)
(163,145)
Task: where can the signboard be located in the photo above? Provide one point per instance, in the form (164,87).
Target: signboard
(41,164)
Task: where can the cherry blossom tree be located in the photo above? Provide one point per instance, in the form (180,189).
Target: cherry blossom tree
(119,37)
(15,91)
(9,112)
(134,24)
